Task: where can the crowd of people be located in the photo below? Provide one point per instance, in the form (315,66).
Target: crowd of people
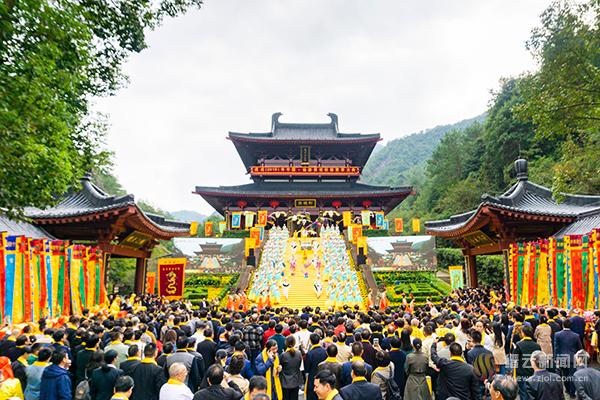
(472,346)
(326,255)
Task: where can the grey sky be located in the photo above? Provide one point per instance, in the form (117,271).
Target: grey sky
(393,67)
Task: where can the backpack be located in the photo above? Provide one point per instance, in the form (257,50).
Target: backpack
(484,367)
(392,391)
(82,391)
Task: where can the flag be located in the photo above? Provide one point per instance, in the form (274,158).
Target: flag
(208,228)
(356,232)
(18,291)
(255,234)
(171,277)
(399,225)
(543,287)
(249,219)
(457,280)
(236,220)
(262,218)
(379,219)
(347,218)
(11,262)
(416,225)
(249,243)
(150,282)
(361,243)
(365,217)
(193,228)
(222,226)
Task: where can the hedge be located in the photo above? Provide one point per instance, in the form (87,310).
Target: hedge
(196,286)
(490,269)
(236,234)
(375,232)
(422,285)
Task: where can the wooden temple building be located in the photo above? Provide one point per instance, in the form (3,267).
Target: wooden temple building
(525,212)
(113,223)
(304,168)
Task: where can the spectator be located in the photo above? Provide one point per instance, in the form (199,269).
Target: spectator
(56,383)
(543,385)
(175,388)
(291,376)
(585,378)
(416,369)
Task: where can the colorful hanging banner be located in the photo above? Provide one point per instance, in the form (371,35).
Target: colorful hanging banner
(379,219)
(365,216)
(262,218)
(457,280)
(236,220)
(150,282)
(399,225)
(356,232)
(249,243)
(193,228)
(248,219)
(208,228)
(347,218)
(361,243)
(255,234)
(222,227)
(171,277)
(386,225)
(416,225)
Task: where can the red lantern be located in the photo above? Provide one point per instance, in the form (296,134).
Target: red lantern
(274,203)
(367,203)
(336,203)
(242,203)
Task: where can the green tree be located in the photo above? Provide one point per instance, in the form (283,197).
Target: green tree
(563,97)
(55,56)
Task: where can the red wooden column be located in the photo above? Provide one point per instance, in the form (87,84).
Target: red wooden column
(471,265)
(140,275)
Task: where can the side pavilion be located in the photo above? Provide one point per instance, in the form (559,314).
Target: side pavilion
(115,224)
(525,212)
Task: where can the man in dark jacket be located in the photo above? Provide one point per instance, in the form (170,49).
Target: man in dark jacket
(19,366)
(324,386)
(357,350)
(369,351)
(102,381)
(56,383)
(215,391)
(586,379)
(147,376)
(332,365)
(315,356)
(133,360)
(543,385)
(207,348)
(253,339)
(456,377)
(360,389)
(84,356)
(398,357)
(566,344)
(522,357)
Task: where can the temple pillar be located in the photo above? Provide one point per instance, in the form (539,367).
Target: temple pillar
(140,275)
(471,270)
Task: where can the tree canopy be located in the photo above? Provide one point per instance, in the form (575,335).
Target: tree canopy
(55,57)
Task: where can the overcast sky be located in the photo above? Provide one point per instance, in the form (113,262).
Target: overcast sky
(392,67)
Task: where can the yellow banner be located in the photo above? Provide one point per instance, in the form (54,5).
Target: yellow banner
(361,242)
(366,217)
(193,228)
(171,277)
(347,218)
(399,225)
(262,218)
(208,228)
(249,243)
(416,225)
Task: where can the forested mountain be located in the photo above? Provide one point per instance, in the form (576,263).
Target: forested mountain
(394,163)
(188,216)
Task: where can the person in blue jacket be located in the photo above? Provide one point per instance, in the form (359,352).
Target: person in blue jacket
(56,382)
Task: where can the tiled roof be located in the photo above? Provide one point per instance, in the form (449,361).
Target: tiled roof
(301,188)
(582,226)
(91,200)
(525,197)
(21,228)
(303,132)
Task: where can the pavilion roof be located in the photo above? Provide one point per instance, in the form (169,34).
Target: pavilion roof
(21,228)
(309,132)
(91,202)
(523,200)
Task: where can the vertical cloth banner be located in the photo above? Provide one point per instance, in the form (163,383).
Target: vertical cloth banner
(150,282)
(171,277)
(208,228)
(222,226)
(262,218)
(399,225)
(193,228)
(416,225)
(365,216)
(457,280)
(248,219)
(236,220)
(255,234)
(361,243)
(347,218)
(379,219)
